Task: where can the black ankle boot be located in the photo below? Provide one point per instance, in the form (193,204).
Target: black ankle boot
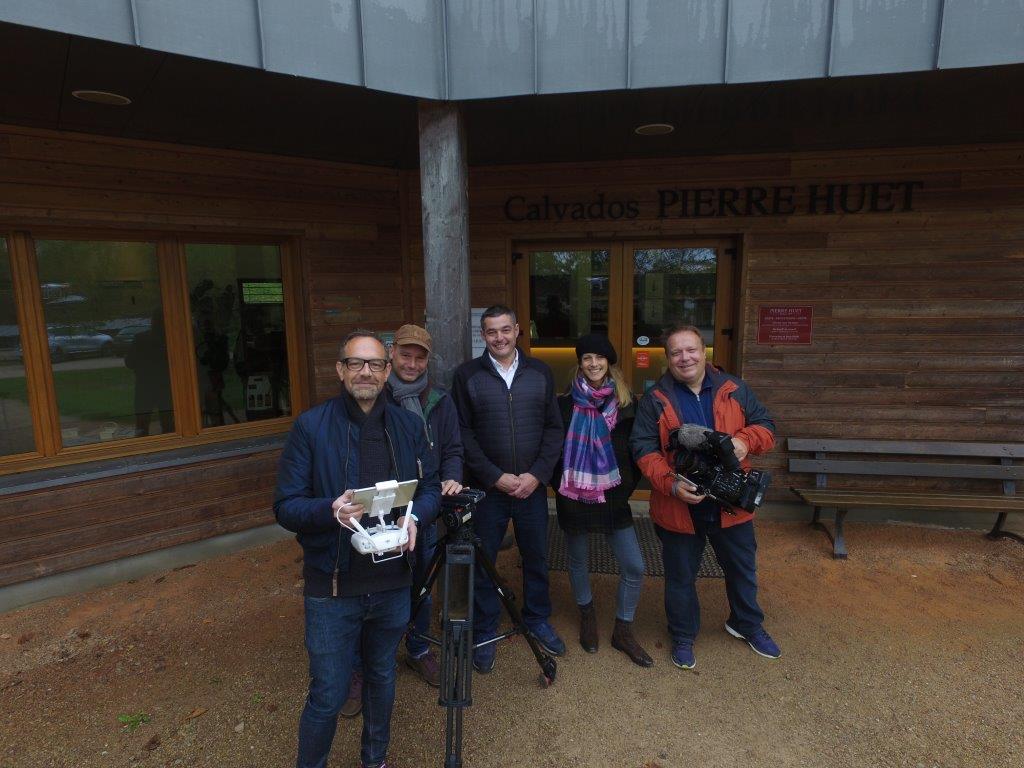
(623,640)
(588,628)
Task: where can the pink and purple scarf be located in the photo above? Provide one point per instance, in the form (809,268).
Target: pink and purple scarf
(589,465)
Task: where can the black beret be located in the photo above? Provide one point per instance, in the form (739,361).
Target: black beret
(596,344)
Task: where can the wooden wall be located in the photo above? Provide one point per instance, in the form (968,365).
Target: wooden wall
(918,316)
(345,220)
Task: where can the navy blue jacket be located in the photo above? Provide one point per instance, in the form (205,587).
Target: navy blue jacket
(442,431)
(320,461)
(507,430)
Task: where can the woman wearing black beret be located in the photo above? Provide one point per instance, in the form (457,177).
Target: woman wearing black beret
(594,481)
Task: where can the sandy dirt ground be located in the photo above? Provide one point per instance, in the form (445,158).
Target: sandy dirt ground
(908,654)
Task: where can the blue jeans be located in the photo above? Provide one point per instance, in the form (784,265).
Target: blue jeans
(624,544)
(529,517)
(333,627)
(736,550)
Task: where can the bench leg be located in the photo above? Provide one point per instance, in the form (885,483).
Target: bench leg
(997,532)
(838,540)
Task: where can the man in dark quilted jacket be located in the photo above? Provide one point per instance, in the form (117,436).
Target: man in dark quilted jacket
(512,437)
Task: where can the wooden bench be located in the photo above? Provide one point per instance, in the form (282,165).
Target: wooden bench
(845,457)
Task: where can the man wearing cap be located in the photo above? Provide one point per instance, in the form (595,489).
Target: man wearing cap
(408,386)
(512,433)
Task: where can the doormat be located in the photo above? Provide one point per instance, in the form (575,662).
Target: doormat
(602,559)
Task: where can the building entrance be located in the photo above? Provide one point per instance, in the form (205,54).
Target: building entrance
(630,291)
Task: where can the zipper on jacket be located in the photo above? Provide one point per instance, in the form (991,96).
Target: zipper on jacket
(512,424)
(337,557)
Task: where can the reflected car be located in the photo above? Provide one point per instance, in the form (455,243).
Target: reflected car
(125,337)
(10,344)
(75,341)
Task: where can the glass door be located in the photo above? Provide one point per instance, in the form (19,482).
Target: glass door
(630,291)
(674,285)
(568,294)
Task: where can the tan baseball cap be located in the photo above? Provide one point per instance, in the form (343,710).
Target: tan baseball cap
(413,334)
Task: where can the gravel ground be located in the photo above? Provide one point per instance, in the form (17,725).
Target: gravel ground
(908,654)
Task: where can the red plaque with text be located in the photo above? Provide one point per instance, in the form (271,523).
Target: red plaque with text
(783,325)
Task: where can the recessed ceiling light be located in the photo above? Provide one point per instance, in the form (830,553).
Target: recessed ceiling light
(102,97)
(654,129)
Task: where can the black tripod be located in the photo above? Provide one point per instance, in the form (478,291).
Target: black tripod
(457,552)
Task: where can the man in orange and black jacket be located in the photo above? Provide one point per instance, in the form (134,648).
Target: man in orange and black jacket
(693,392)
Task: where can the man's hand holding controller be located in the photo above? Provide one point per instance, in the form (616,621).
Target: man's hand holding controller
(345,510)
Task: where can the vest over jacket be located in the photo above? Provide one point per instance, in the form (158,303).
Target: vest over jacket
(736,411)
(320,461)
(513,430)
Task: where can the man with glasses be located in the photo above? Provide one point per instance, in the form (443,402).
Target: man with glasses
(352,441)
(512,437)
(409,387)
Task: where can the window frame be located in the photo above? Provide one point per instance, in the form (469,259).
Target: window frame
(174,297)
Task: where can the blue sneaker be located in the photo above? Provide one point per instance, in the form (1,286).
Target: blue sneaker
(682,655)
(548,639)
(760,642)
(483,657)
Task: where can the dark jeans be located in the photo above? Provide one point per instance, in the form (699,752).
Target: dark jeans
(736,550)
(530,519)
(333,626)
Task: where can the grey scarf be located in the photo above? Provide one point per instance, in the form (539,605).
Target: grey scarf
(407,394)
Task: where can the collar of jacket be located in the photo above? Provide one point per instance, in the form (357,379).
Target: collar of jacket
(485,362)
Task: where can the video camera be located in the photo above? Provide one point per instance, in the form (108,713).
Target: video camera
(457,510)
(708,460)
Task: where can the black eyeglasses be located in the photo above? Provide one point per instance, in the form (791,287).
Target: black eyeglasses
(356,364)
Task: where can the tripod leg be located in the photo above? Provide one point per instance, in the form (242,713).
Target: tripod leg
(421,589)
(548,666)
(457,646)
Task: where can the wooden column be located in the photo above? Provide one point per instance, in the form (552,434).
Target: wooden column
(445,206)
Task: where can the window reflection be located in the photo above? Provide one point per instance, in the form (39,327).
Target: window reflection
(568,298)
(104,325)
(237,305)
(15,418)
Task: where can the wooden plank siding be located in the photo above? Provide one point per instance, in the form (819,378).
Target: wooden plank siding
(344,219)
(918,315)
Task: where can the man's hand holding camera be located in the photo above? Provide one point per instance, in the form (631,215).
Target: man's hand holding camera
(740,448)
(685,491)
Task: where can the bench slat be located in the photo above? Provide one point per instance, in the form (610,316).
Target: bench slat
(907,469)
(907,447)
(964,502)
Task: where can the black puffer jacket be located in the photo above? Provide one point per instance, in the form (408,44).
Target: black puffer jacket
(507,430)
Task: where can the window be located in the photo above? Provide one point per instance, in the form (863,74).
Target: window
(236,302)
(105,333)
(15,416)
(113,346)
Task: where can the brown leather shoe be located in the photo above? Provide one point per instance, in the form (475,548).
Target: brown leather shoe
(623,640)
(588,627)
(354,703)
(426,667)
